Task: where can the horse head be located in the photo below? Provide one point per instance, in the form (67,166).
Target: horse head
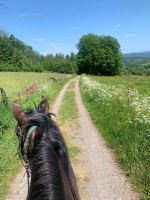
(44,151)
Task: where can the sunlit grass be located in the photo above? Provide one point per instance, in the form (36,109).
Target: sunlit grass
(68,120)
(68,109)
(114,116)
(141,83)
(13,82)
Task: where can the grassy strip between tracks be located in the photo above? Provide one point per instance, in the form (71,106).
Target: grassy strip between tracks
(68,121)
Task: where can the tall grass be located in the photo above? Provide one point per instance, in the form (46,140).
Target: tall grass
(115,115)
(49,85)
(140,83)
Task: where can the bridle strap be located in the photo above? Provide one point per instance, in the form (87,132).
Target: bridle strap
(25,153)
(26,143)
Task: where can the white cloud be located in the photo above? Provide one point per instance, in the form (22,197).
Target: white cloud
(25,16)
(58,48)
(117,25)
(19,17)
(40,39)
(129,35)
(54,49)
(75,28)
(22,15)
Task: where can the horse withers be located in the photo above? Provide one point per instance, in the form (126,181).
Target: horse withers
(44,152)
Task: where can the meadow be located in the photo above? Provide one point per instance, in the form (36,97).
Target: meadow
(28,88)
(119,107)
(140,83)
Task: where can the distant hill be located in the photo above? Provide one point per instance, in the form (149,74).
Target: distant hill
(137,55)
(137,63)
(136,59)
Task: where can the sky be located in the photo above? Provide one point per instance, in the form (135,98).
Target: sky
(55,26)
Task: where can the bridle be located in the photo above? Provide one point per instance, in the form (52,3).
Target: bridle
(26,143)
(23,147)
(25,138)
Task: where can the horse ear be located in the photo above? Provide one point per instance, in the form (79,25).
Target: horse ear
(18,113)
(44,106)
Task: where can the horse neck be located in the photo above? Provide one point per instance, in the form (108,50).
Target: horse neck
(52,176)
(46,180)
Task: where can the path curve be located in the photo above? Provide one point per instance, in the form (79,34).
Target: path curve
(19,189)
(105,180)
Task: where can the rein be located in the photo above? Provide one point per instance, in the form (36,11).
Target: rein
(24,158)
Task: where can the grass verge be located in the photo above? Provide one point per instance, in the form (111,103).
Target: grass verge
(129,141)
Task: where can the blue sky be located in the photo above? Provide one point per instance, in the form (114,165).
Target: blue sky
(56,26)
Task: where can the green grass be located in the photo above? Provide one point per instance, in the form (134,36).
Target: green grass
(129,142)
(68,115)
(75,150)
(12,83)
(68,110)
(141,83)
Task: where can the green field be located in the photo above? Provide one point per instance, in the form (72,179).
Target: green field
(119,106)
(141,83)
(49,85)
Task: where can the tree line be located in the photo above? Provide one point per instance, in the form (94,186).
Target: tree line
(98,55)
(138,69)
(15,55)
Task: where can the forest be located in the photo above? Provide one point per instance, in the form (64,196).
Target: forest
(15,55)
(97,55)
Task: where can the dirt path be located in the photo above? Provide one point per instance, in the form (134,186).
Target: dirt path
(104,181)
(19,187)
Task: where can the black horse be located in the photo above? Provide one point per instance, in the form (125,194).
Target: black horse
(44,151)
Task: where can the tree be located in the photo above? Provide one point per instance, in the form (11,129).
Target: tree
(72,56)
(15,55)
(99,55)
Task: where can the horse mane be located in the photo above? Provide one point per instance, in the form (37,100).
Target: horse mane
(52,176)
